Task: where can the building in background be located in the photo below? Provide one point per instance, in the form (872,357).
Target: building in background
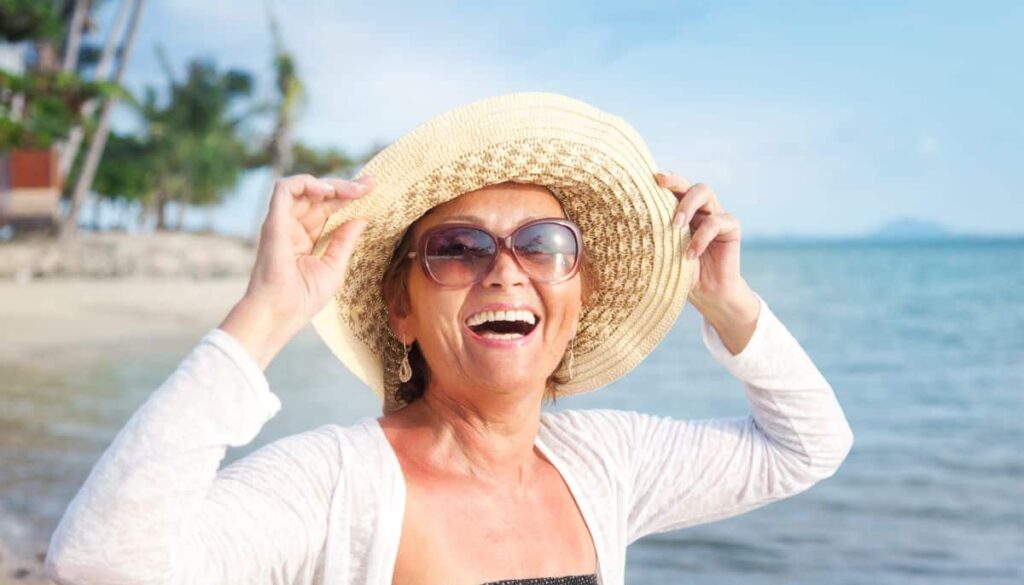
(30,183)
(30,189)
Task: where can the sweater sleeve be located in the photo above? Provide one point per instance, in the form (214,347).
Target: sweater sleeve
(689,472)
(156,509)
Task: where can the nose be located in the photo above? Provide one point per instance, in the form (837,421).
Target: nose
(505,272)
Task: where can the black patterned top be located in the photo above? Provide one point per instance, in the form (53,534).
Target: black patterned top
(567,580)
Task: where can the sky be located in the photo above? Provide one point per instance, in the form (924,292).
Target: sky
(806,118)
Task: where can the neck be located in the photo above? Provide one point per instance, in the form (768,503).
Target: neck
(490,440)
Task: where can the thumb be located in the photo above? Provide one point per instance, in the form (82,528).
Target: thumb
(339,249)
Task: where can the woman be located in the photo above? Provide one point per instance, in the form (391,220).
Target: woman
(471,294)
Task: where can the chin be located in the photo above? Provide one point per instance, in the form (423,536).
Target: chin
(513,379)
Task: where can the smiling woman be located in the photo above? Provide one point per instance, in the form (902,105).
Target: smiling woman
(461,266)
(515,248)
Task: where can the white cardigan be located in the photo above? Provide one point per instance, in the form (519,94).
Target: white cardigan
(325,506)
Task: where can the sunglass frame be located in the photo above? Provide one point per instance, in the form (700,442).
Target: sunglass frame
(501,243)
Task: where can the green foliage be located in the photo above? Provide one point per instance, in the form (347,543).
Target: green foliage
(41,107)
(193,144)
(126,172)
(30,20)
(330,161)
(195,139)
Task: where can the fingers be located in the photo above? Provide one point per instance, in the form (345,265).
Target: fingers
(698,205)
(722,226)
(310,201)
(674,183)
(352,189)
(288,190)
(692,198)
(298,193)
(339,249)
(698,198)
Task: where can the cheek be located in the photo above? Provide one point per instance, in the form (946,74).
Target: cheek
(564,304)
(435,311)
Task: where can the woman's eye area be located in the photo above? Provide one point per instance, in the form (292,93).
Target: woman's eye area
(461,243)
(546,239)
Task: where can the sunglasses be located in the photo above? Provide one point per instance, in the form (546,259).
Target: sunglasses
(547,250)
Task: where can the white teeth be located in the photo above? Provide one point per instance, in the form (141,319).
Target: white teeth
(490,335)
(486,316)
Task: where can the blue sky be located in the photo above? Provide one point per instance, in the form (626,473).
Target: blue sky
(817,118)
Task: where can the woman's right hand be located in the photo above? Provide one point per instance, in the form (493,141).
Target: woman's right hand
(289,285)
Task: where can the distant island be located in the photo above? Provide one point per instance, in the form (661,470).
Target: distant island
(902,229)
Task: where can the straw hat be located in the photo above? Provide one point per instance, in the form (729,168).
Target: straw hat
(596,165)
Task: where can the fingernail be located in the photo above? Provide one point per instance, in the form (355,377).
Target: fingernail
(690,254)
(679,220)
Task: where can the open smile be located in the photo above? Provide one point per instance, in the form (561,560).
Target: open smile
(503,327)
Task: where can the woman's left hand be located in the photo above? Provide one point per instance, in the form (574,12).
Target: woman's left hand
(719,292)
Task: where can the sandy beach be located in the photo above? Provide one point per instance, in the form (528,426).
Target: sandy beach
(73,318)
(72,321)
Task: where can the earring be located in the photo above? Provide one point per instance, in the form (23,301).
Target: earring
(572,356)
(404,368)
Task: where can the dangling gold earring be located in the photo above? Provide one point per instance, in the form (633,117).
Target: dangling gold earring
(405,369)
(572,356)
(572,350)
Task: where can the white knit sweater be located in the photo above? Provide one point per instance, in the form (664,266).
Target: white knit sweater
(325,506)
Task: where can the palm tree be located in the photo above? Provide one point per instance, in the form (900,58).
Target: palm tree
(69,225)
(195,137)
(288,99)
(74,36)
(69,150)
(284,154)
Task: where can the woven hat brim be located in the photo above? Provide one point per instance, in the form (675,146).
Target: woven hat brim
(595,164)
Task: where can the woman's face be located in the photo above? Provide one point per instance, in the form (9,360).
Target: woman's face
(464,359)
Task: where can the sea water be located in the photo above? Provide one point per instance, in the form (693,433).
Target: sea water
(923,345)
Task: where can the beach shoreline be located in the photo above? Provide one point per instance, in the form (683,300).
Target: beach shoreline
(81,321)
(72,318)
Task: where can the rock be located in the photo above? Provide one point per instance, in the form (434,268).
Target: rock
(119,255)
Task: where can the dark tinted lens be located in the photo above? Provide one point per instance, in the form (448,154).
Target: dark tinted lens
(547,250)
(458,255)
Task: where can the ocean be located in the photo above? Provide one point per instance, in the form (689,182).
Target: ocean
(922,343)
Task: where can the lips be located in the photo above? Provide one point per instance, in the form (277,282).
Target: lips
(503,329)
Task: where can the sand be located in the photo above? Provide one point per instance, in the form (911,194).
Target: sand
(63,320)
(72,318)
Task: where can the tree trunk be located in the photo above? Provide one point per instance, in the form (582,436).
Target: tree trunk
(145,212)
(97,206)
(99,141)
(46,56)
(182,208)
(74,40)
(283,160)
(74,142)
(161,211)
